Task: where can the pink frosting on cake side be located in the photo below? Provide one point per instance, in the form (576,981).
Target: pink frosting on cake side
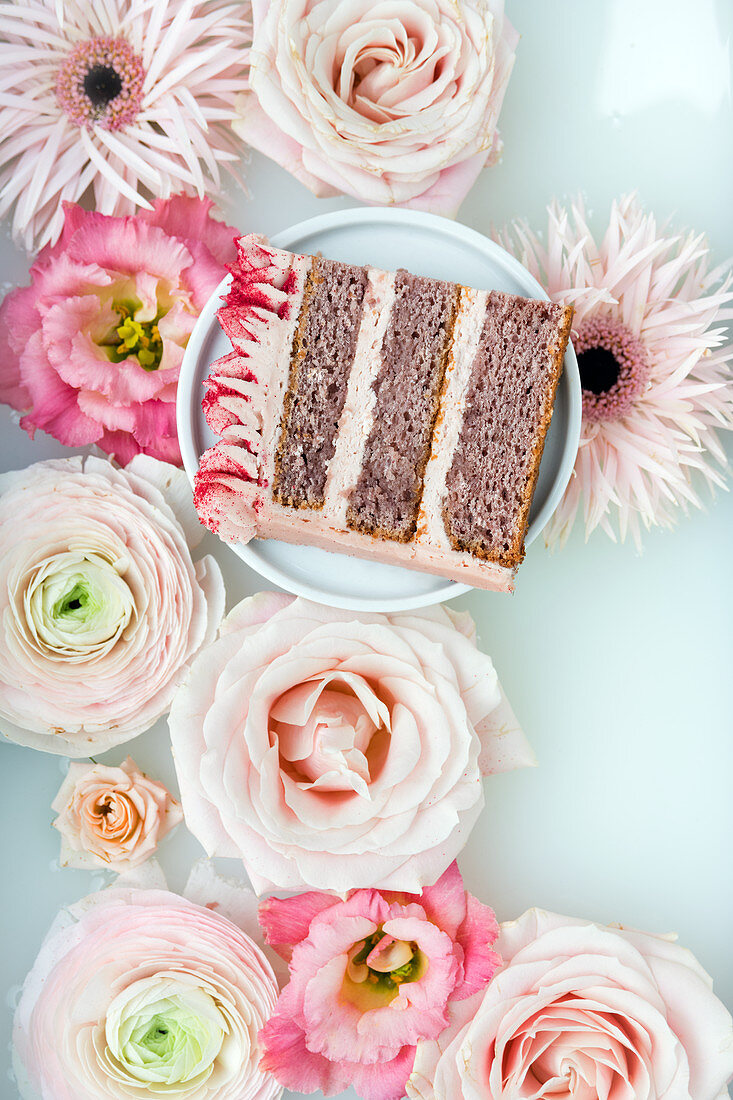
(244,389)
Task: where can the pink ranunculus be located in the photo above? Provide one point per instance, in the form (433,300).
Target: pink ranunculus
(369,977)
(102,607)
(582,1012)
(112,817)
(392,102)
(334,749)
(90,351)
(139,993)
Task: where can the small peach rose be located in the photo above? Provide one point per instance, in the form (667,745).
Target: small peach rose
(112,816)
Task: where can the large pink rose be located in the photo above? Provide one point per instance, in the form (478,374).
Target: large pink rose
(90,351)
(369,977)
(583,1012)
(101,604)
(335,749)
(139,993)
(392,102)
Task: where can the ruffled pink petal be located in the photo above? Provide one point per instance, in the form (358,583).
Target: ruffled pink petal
(129,245)
(189,218)
(478,931)
(286,921)
(84,366)
(19,318)
(203,275)
(112,417)
(12,390)
(445,902)
(74,218)
(166,449)
(177,324)
(451,187)
(254,611)
(296,1067)
(122,383)
(156,419)
(122,447)
(65,277)
(383,1080)
(287,1057)
(54,406)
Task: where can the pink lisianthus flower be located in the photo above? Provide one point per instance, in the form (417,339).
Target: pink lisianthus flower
(395,102)
(369,977)
(90,351)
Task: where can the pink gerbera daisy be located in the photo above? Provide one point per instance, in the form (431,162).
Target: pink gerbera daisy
(129,97)
(649,332)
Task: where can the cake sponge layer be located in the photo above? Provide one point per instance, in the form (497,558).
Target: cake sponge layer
(508,406)
(386,498)
(321,359)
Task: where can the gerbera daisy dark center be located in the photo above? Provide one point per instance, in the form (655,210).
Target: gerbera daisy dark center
(101,84)
(614,368)
(599,369)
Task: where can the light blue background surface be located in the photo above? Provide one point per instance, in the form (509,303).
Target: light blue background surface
(618,666)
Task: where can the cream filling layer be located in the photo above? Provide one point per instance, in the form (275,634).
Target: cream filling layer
(467,331)
(357,415)
(278,376)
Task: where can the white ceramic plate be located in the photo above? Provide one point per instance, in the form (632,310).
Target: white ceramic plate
(426,245)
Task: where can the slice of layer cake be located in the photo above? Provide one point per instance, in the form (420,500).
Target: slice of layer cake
(379,413)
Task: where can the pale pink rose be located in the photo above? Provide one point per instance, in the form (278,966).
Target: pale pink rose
(90,351)
(138,993)
(334,749)
(101,605)
(369,977)
(392,102)
(583,1012)
(112,816)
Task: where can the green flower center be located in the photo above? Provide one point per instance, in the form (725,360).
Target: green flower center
(373,978)
(160,1039)
(163,1032)
(133,338)
(77,604)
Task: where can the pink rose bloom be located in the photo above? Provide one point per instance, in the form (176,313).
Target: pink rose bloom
(583,1012)
(334,749)
(102,607)
(90,351)
(113,817)
(392,102)
(138,993)
(369,977)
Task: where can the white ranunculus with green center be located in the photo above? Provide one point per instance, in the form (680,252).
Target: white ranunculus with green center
(79,603)
(145,995)
(101,606)
(165,1031)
